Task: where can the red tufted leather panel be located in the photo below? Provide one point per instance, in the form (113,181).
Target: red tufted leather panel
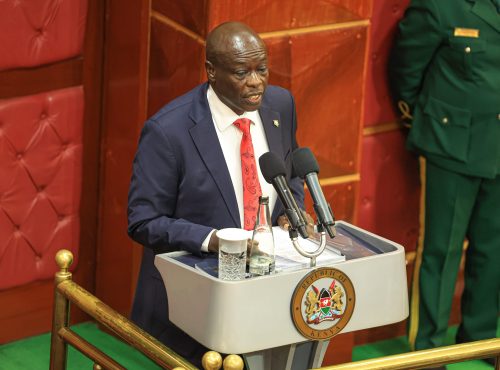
(40,31)
(40,183)
(389,189)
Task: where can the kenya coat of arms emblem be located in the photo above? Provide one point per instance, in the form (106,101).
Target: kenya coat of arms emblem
(322,303)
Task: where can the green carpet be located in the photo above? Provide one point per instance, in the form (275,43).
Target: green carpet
(34,353)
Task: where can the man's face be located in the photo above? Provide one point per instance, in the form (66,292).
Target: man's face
(239,76)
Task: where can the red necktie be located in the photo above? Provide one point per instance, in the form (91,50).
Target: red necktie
(249,175)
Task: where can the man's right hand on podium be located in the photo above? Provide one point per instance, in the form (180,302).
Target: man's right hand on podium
(213,244)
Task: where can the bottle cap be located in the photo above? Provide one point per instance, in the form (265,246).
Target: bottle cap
(264,199)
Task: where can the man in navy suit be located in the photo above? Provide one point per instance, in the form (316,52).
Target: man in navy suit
(187,180)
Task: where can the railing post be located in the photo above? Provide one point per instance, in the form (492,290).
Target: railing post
(60,318)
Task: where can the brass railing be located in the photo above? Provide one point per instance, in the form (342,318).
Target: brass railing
(429,358)
(67,291)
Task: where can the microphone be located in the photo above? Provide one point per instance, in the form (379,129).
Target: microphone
(306,167)
(273,170)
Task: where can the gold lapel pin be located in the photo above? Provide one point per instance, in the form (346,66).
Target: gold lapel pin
(276,123)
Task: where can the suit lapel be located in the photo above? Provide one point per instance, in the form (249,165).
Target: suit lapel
(272,127)
(206,141)
(486,10)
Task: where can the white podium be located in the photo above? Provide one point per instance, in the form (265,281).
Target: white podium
(252,316)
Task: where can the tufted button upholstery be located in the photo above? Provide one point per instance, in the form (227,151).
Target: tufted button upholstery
(40,183)
(41,31)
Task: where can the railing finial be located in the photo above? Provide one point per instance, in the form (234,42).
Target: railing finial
(233,362)
(211,360)
(64,259)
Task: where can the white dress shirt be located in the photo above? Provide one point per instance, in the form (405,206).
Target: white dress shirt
(230,139)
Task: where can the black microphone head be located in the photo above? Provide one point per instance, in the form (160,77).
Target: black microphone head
(304,162)
(271,166)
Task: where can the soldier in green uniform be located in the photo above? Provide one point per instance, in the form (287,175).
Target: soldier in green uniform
(444,72)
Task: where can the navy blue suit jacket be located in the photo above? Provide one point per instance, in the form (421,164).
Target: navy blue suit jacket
(181,190)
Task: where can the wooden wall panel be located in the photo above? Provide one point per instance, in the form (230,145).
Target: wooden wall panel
(280,61)
(26,310)
(378,104)
(342,199)
(125,95)
(271,15)
(190,14)
(327,84)
(30,81)
(171,77)
(386,165)
(390,189)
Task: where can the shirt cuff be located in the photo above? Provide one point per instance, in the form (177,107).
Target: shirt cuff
(204,245)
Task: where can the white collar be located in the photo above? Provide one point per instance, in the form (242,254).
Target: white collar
(222,114)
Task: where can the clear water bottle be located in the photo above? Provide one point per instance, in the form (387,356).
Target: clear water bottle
(262,257)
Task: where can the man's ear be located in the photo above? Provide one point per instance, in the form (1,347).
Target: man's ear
(210,71)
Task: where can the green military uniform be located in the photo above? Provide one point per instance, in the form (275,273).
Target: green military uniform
(445,76)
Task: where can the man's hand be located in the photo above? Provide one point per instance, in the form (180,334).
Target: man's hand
(309,223)
(213,244)
(284,223)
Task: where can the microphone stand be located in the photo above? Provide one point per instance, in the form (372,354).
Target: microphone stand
(294,236)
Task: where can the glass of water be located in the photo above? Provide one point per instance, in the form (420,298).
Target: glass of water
(232,253)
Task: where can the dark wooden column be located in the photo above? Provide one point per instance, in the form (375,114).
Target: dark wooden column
(125,99)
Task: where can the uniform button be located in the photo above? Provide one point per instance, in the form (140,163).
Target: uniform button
(467,49)
(445,120)
(498,116)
